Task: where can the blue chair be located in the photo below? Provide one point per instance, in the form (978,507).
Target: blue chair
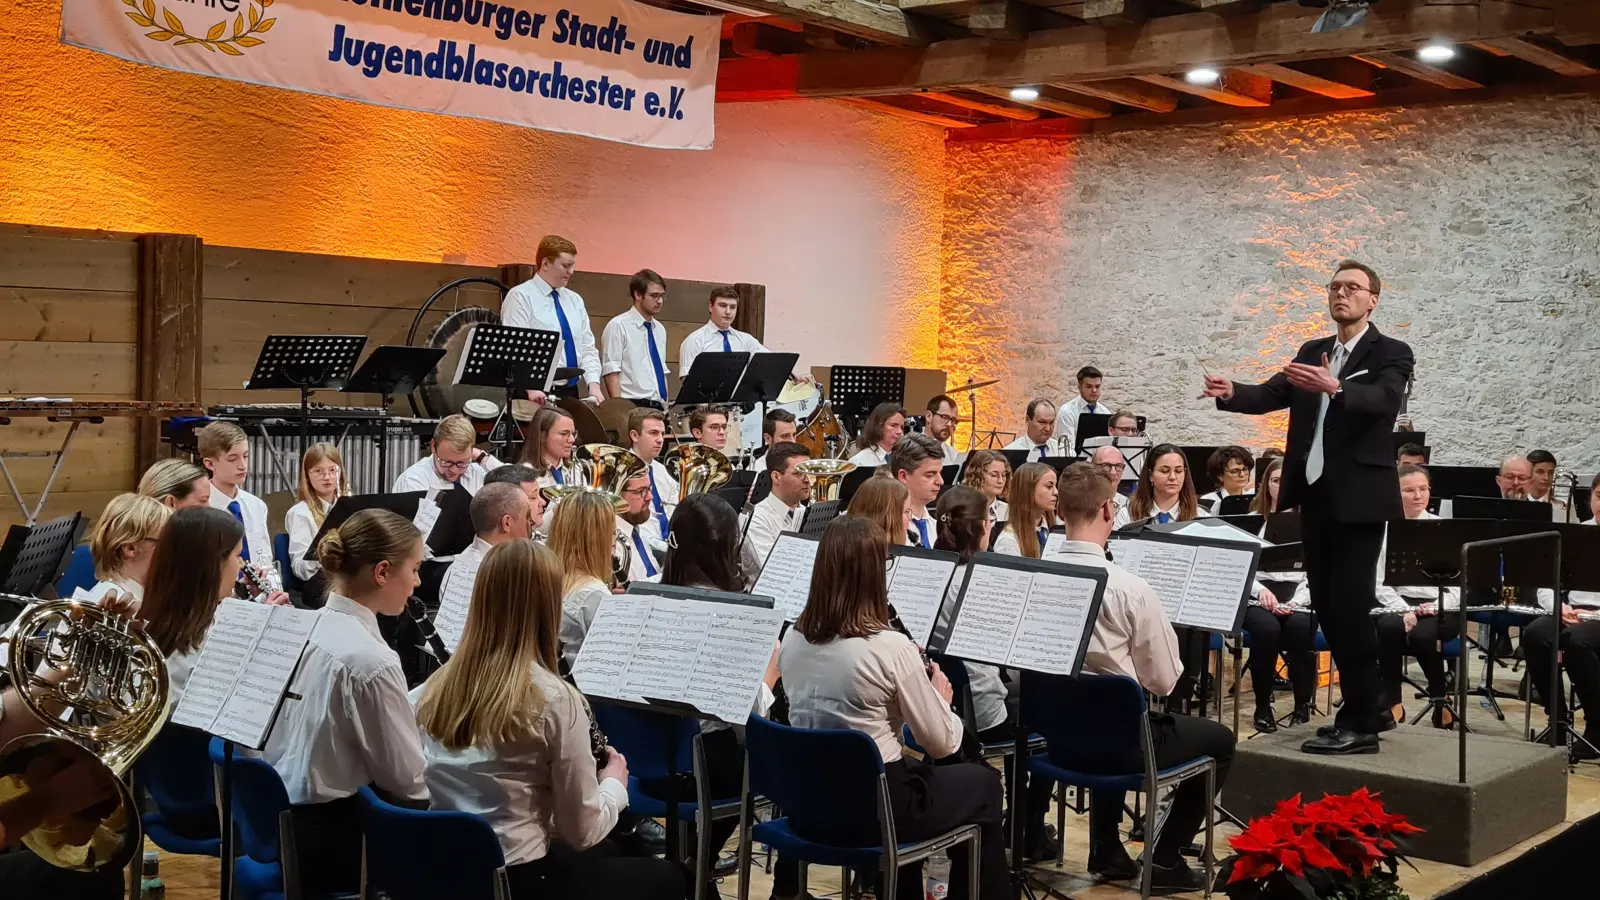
(831,782)
(176,773)
(79,574)
(411,854)
(268,868)
(1059,708)
(280,554)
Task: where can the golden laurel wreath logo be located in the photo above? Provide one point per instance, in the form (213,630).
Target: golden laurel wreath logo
(217,38)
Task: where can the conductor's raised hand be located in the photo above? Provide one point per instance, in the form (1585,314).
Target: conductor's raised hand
(1316,379)
(1218,387)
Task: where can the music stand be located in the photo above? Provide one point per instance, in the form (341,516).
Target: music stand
(304,363)
(1196,458)
(735,496)
(1246,521)
(391,370)
(1016,458)
(35,558)
(818,515)
(1235,505)
(1094,425)
(1449,482)
(452,532)
(712,379)
(403,504)
(764,378)
(855,390)
(516,360)
(1499,508)
(853,480)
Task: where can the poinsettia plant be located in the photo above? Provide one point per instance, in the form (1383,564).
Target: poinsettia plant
(1344,847)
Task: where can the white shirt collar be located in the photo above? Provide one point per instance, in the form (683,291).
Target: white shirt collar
(778,504)
(341,604)
(540,286)
(1350,345)
(1085,548)
(481,546)
(920,514)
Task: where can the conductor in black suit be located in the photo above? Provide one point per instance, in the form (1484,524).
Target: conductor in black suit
(1343,394)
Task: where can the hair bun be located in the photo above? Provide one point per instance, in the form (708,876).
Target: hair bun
(331,552)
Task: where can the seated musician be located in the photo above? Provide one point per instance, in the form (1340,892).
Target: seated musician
(1541,484)
(778,426)
(883,429)
(1032,505)
(1279,624)
(500,512)
(177,483)
(1132,637)
(633,346)
(1039,432)
(1411,454)
(917,462)
(1232,470)
(195,565)
(632,523)
(647,434)
(582,536)
(781,510)
(843,666)
(1114,463)
(352,724)
(454,459)
(940,424)
(1516,474)
(1088,400)
(551,438)
(1122,424)
(546,303)
(322,483)
(989,472)
(886,503)
(504,737)
(226,455)
(123,542)
(1580,654)
(718,335)
(709,425)
(526,481)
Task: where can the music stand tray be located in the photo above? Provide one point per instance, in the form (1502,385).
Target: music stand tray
(35,558)
(764,377)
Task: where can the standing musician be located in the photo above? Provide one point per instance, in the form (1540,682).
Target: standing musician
(916,462)
(718,335)
(886,503)
(1087,401)
(709,425)
(1133,638)
(634,345)
(632,523)
(1032,502)
(1343,394)
(990,472)
(500,513)
(1232,469)
(322,483)
(884,427)
(647,433)
(177,483)
(122,544)
(552,436)
(777,426)
(1038,432)
(352,724)
(779,511)
(546,303)
(1580,654)
(504,737)
(941,426)
(1276,625)
(195,565)
(844,667)
(226,455)
(582,536)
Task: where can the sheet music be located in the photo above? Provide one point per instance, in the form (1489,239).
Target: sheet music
(244,668)
(917,589)
(602,664)
(1053,544)
(427,513)
(786,577)
(1216,588)
(1055,620)
(741,640)
(455,600)
(664,658)
(990,610)
(234,628)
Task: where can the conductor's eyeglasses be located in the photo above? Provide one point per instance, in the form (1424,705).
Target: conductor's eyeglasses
(1346,287)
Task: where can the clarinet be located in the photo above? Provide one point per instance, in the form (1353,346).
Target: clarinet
(897,625)
(597,738)
(433,645)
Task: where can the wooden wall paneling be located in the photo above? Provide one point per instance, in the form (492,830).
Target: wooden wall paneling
(53,314)
(67,369)
(752,316)
(101,457)
(169,358)
(235,273)
(62,503)
(65,259)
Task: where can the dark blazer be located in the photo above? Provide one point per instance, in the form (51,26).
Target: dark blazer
(1358,448)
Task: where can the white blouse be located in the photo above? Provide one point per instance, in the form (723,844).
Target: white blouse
(578,609)
(871,456)
(302,528)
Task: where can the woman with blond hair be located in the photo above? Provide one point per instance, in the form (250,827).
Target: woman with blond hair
(123,543)
(583,536)
(177,483)
(885,502)
(990,472)
(504,737)
(322,483)
(1032,511)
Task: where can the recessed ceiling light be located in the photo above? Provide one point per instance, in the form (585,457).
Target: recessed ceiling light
(1437,52)
(1024,93)
(1202,75)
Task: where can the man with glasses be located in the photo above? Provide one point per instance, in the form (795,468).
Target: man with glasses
(1343,394)
(634,345)
(1516,475)
(941,426)
(1110,461)
(642,564)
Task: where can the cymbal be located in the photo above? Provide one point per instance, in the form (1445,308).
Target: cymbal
(971,386)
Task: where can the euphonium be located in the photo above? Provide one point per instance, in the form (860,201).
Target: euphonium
(827,475)
(112,680)
(698,468)
(598,467)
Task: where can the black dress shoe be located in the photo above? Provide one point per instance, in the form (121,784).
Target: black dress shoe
(1343,742)
(1301,714)
(1328,730)
(1112,862)
(1041,846)
(1386,722)
(652,836)
(1176,879)
(1265,721)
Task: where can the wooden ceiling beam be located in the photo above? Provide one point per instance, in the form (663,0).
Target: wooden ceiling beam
(1234,88)
(1539,55)
(1115,12)
(873,21)
(1011,19)
(1127,92)
(915,115)
(1416,68)
(1047,103)
(1305,81)
(999,110)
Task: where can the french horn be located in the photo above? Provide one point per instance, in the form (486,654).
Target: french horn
(111,679)
(827,476)
(698,468)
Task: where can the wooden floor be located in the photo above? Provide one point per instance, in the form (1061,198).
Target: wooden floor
(196,878)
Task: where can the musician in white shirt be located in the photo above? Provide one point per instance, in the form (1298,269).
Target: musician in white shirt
(500,513)
(504,737)
(1087,401)
(709,425)
(226,455)
(1133,638)
(546,303)
(632,523)
(525,480)
(453,459)
(1038,437)
(1580,654)
(634,344)
(1114,463)
(718,335)
(177,483)
(883,429)
(1032,506)
(990,472)
(122,544)
(777,426)
(917,463)
(351,723)
(779,511)
(1541,483)
(1233,470)
(1165,492)
(322,483)
(647,433)
(195,564)
(547,449)
(583,537)
(940,423)
(844,667)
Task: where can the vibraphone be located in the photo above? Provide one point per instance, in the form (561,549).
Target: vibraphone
(376,446)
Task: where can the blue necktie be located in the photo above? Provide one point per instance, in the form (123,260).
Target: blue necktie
(922,529)
(726,347)
(638,544)
(655,360)
(555,472)
(1044,538)
(1041,451)
(244,543)
(1091,408)
(1162,518)
(566,331)
(655,499)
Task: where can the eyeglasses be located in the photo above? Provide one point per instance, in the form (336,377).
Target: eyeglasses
(1346,287)
(941,417)
(1236,471)
(1111,467)
(459,466)
(637,492)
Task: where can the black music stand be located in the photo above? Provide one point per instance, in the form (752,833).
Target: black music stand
(1245,521)
(712,379)
(817,517)
(855,390)
(1449,482)
(452,532)
(1093,425)
(853,480)
(1196,457)
(764,378)
(403,504)
(516,360)
(1235,505)
(391,370)
(33,559)
(305,363)
(735,497)
(1500,508)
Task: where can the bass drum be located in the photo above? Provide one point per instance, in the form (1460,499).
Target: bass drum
(438,396)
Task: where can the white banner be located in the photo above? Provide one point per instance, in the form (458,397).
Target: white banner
(612,69)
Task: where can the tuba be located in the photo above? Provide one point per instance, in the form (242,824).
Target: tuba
(604,469)
(698,468)
(827,475)
(112,681)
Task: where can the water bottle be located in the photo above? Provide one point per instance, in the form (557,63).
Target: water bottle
(150,886)
(938,877)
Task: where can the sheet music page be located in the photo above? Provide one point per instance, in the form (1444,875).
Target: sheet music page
(664,658)
(1165,566)
(234,629)
(786,577)
(917,588)
(1053,544)
(602,664)
(733,659)
(990,611)
(1055,621)
(247,715)
(1216,588)
(454,603)
(427,514)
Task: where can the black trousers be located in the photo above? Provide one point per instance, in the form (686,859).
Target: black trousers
(1194,648)
(597,872)
(1036,789)
(1395,643)
(1177,739)
(1341,571)
(24,875)
(1580,656)
(327,838)
(1291,635)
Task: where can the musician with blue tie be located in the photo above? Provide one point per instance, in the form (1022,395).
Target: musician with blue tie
(1166,490)
(917,461)
(1087,401)
(1038,437)
(634,345)
(718,335)
(546,303)
(642,564)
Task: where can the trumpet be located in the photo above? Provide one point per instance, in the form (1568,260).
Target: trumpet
(827,476)
(698,468)
(112,680)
